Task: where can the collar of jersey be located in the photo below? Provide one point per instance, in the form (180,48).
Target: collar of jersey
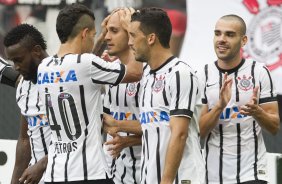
(230,70)
(166,62)
(56,55)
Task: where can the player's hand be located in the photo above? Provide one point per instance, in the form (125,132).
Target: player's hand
(32,174)
(225,92)
(125,17)
(252,107)
(110,125)
(105,56)
(115,145)
(104,26)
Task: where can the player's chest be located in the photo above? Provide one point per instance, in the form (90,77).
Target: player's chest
(156,83)
(124,92)
(241,89)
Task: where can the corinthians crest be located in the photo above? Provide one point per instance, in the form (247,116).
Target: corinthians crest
(245,83)
(131,89)
(159,83)
(265,33)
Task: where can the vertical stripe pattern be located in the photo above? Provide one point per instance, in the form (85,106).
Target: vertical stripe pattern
(158,157)
(82,97)
(221,154)
(177,89)
(238,152)
(256,150)
(236,86)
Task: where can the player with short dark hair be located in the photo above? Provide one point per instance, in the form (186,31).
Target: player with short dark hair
(121,101)
(70,84)
(169,105)
(239,101)
(26,47)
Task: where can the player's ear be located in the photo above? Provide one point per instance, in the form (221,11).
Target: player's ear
(36,50)
(151,38)
(84,33)
(244,40)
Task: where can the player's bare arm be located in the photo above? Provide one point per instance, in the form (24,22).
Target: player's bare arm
(112,125)
(266,114)
(118,143)
(134,71)
(22,152)
(209,119)
(179,132)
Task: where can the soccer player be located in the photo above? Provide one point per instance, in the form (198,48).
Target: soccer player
(121,102)
(26,47)
(169,105)
(239,100)
(70,84)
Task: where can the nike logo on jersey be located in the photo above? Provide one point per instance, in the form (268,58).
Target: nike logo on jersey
(209,85)
(56,77)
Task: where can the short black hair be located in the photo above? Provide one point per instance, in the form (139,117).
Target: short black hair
(154,20)
(25,32)
(239,19)
(68,21)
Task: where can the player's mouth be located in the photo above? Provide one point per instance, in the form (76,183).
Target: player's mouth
(221,48)
(110,45)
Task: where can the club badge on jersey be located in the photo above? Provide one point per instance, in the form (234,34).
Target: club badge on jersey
(159,85)
(245,83)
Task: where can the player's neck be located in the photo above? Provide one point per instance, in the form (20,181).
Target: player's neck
(158,57)
(230,64)
(125,56)
(70,47)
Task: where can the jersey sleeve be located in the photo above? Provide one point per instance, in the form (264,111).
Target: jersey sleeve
(183,89)
(103,72)
(267,90)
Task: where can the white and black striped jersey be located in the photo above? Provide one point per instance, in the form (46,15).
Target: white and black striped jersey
(235,150)
(122,102)
(71,89)
(33,110)
(170,90)
(3,64)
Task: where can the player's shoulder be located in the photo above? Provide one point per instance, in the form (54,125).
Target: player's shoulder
(181,66)
(250,63)
(46,60)
(2,60)
(89,56)
(253,62)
